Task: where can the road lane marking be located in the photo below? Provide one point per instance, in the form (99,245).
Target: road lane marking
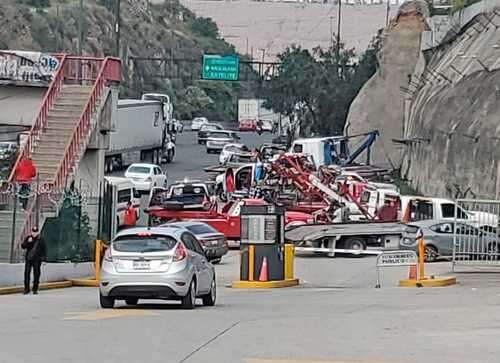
(109,314)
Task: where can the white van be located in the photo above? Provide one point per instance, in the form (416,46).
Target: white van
(125,191)
(316,147)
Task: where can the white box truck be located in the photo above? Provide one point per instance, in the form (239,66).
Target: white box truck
(140,133)
(252,110)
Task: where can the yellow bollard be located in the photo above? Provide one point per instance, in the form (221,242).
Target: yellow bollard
(289,261)
(251,261)
(98,251)
(421,262)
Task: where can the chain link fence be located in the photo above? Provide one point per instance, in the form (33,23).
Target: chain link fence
(70,221)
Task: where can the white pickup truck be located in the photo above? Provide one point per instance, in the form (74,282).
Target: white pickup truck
(419,208)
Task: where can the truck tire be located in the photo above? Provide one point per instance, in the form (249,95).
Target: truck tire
(170,156)
(355,243)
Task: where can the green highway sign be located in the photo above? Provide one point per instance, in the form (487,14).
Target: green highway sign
(220,67)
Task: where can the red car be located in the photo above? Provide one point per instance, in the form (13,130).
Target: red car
(228,220)
(247,125)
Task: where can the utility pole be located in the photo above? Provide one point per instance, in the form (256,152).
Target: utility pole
(80,29)
(117,28)
(387,10)
(331,31)
(339,22)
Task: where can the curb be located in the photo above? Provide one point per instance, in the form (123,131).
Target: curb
(44,286)
(264,284)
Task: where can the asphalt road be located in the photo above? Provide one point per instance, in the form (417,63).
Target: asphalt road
(335,315)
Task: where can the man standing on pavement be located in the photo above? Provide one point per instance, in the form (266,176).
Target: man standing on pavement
(130,218)
(35,255)
(25,172)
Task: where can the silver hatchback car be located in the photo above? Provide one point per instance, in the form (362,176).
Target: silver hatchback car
(156,263)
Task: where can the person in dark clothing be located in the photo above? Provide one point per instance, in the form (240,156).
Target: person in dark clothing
(35,255)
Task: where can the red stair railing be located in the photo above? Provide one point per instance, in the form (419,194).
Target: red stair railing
(72,70)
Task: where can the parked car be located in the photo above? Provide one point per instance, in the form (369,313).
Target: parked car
(125,192)
(205,132)
(212,241)
(146,176)
(229,149)
(438,237)
(156,263)
(185,195)
(246,125)
(7,150)
(216,140)
(198,122)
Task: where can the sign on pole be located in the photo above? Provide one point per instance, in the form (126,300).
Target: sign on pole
(395,258)
(220,67)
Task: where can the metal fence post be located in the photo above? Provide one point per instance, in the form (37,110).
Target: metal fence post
(13,232)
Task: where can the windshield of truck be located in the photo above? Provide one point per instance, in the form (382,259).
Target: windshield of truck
(189,194)
(139,169)
(143,244)
(448,211)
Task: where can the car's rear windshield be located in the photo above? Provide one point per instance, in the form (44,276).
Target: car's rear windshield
(139,169)
(200,229)
(143,244)
(220,135)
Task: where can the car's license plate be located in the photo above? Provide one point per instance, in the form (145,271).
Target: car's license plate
(141,265)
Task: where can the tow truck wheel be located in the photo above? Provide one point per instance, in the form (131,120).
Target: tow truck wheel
(355,243)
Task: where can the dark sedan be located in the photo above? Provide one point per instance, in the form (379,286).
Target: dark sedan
(213,242)
(205,131)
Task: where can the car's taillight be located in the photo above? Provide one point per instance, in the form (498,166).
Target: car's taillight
(180,252)
(107,255)
(148,179)
(202,242)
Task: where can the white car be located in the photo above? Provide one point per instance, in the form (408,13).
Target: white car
(198,122)
(146,176)
(228,150)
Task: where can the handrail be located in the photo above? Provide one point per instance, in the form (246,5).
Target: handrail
(80,127)
(42,114)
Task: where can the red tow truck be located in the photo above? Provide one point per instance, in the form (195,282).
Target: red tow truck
(226,221)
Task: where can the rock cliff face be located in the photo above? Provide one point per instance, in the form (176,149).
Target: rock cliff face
(452,129)
(380,104)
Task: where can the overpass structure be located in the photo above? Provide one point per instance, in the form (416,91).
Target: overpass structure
(65,105)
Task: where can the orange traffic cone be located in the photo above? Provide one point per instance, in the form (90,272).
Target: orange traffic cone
(412,272)
(263,270)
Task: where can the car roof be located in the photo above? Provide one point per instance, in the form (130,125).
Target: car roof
(174,231)
(118,180)
(144,164)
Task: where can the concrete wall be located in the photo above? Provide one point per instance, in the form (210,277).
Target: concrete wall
(452,122)
(13,274)
(19,105)
(380,103)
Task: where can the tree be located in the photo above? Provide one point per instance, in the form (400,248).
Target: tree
(319,86)
(192,100)
(206,27)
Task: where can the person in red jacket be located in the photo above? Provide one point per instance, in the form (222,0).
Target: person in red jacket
(130,218)
(25,172)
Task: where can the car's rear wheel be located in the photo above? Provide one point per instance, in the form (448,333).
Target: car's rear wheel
(106,302)
(131,300)
(189,301)
(209,299)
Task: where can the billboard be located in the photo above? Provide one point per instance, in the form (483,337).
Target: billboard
(27,68)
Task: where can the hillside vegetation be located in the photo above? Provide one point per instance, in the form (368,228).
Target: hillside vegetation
(164,30)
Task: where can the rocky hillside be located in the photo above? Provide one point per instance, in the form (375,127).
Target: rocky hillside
(163,30)
(380,103)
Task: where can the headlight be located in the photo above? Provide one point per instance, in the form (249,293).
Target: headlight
(407,241)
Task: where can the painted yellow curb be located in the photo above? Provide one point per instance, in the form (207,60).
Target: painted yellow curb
(44,286)
(264,284)
(429,282)
(85,282)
